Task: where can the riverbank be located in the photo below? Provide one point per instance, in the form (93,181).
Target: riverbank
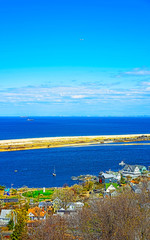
(53,142)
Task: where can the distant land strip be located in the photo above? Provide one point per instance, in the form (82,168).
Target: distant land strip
(53,142)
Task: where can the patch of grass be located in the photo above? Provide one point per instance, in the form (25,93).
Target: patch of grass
(114,184)
(40,194)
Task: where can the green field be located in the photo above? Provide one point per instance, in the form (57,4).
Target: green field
(39,194)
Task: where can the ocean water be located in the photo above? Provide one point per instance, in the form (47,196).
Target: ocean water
(17,127)
(35,167)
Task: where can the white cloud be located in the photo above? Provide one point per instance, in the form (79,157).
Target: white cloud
(71,94)
(138,72)
(146,83)
(78,96)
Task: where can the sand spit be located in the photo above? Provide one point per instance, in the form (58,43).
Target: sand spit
(53,142)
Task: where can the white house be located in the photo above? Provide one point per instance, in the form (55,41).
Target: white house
(118,177)
(5,216)
(133,170)
(110,188)
(71,208)
(36,214)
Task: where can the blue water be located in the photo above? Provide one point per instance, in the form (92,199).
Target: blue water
(35,167)
(16,127)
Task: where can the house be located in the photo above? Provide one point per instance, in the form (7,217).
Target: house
(7,191)
(135,188)
(96,191)
(63,211)
(45,205)
(9,200)
(110,187)
(57,203)
(75,205)
(101,178)
(78,205)
(71,208)
(49,203)
(36,213)
(118,177)
(114,194)
(107,177)
(110,190)
(5,216)
(133,170)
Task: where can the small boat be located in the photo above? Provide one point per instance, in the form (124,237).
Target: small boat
(16,171)
(122,163)
(54,173)
(30,119)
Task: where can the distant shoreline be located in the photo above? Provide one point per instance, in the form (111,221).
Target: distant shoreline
(55,142)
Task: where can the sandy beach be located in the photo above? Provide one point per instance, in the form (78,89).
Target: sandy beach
(52,142)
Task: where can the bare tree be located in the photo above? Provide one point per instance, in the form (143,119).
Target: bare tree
(126,216)
(54,228)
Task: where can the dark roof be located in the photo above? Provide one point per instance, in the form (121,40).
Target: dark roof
(132,167)
(9,200)
(66,211)
(44,204)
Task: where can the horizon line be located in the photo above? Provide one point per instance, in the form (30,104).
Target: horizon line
(28,116)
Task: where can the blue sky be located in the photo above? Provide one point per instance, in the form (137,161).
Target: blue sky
(46,70)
